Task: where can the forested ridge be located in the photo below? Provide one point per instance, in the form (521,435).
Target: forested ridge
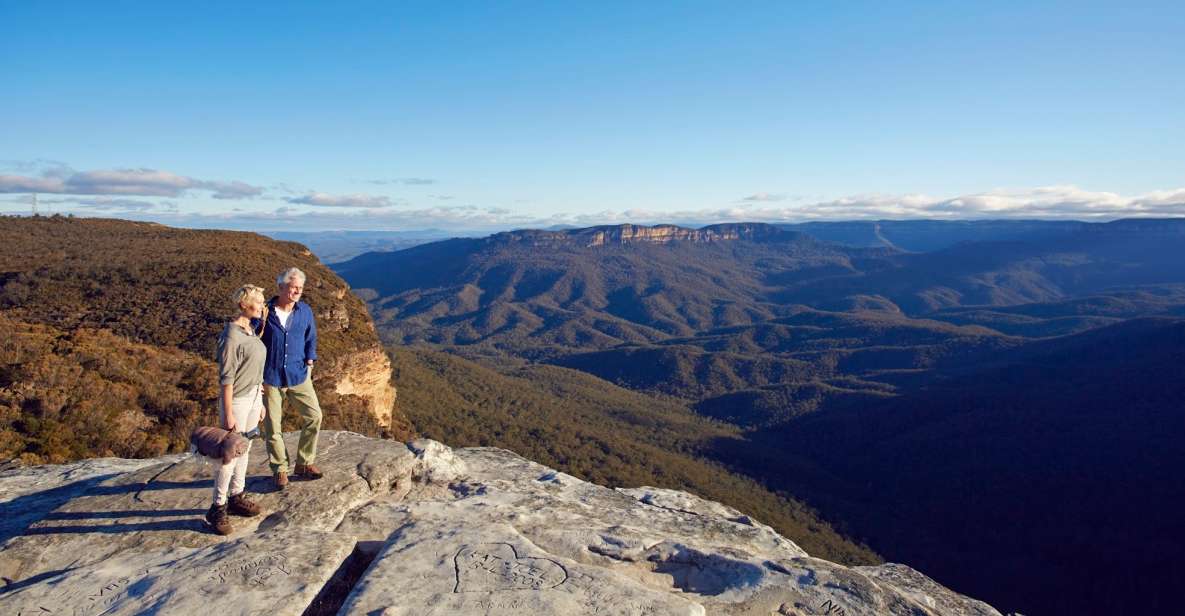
(109,330)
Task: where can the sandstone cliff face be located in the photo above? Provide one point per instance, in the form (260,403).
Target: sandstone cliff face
(639,234)
(367,374)
(417,529)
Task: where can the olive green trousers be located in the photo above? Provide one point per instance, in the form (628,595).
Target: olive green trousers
(304,399)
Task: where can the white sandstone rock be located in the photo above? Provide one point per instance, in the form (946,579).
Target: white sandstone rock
(456,532)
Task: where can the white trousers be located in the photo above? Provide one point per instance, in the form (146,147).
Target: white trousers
(231,478)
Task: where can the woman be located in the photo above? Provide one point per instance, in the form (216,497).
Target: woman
(241,355)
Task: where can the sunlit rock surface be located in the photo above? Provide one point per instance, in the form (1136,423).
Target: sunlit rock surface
(411,529)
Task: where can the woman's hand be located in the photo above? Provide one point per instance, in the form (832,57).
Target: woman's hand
(228,414)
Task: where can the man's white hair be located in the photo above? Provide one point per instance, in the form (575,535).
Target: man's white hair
(287,275)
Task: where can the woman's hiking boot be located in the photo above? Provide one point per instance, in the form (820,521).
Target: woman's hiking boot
(239,505)
(308,471)
(216,518)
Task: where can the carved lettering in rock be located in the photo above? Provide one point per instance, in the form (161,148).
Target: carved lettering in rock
(488,567)
(494,604)
(93,602)
(252,571)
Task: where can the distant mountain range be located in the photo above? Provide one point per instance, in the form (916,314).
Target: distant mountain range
(894,380)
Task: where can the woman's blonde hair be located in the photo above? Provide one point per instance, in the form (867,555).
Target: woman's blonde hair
(248,293)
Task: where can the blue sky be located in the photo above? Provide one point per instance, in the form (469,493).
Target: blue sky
(480,116)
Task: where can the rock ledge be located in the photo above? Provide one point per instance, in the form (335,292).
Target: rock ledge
(419,529)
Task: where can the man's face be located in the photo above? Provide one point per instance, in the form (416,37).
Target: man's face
(291,290)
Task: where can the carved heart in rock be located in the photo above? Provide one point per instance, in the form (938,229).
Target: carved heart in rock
(487,567)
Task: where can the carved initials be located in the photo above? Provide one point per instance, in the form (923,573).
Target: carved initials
(832,608)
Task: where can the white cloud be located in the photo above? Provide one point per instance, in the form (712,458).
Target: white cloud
(231,190)
(1045,202)
(358,200)
(138,182)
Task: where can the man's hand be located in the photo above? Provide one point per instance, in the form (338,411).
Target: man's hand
(308,362)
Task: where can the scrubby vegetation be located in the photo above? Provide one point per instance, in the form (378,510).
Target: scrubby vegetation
(109,330)
(88,393)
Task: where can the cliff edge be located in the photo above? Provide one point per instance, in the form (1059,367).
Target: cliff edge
(418,529)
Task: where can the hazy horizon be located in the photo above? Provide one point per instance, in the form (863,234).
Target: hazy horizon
(238,225)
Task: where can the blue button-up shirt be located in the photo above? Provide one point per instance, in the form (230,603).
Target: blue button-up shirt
(289,347)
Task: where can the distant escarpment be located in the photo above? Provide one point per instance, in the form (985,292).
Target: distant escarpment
(109,329)
(548,293)
(609,235)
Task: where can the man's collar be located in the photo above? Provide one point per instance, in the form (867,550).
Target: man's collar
(271,303)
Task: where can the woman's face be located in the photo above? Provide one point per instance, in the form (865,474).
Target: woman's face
(253,309)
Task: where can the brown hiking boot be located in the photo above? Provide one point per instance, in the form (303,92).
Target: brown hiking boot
(308,471)
(217,520)
(280,478)
(239,505)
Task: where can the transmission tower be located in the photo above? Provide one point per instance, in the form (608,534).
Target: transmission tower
(34,204)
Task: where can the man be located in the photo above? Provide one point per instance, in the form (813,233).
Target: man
(291,340)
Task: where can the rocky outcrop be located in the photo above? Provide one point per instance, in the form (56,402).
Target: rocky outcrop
(412,529)
(367,374)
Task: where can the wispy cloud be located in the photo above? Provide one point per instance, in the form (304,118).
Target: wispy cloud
(231,190)
(107,204)
(37,166)
(100,205)
(404,181)
(358,200)
(22,184)
(762,196)
(133,182)
(111,204)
